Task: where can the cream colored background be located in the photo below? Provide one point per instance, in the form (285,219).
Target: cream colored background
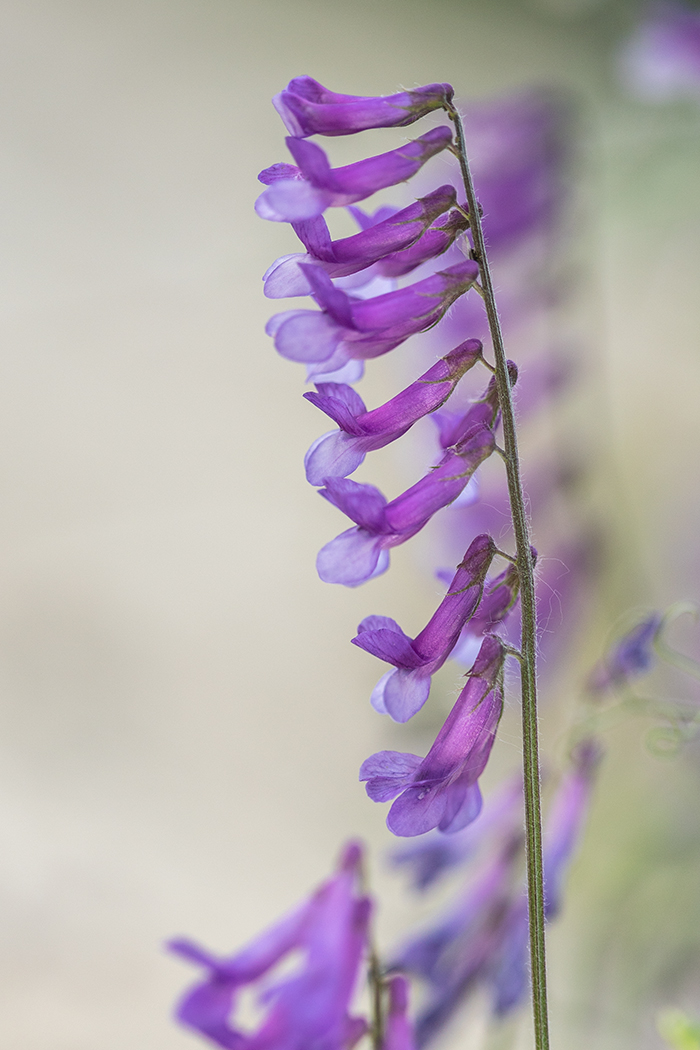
(181,715)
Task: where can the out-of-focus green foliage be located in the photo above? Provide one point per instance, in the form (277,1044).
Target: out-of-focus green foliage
(678,1030)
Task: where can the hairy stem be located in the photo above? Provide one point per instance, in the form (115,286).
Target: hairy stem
(528,644)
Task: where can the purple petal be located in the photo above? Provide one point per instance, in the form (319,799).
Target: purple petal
(390,646)
(363,503)
(291,200)
(405,692)
(304,335)
(333,455)
(387,773)
(352,558)
(307,108)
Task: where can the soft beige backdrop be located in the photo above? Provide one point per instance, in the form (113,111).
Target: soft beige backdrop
(181,715)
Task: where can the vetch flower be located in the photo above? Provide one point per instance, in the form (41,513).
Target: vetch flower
(302,192)
(363,551)
(661,60)
(402,691)
(629,658)
(310,1006)
(350,255)
(308,108)
(441,790)
(349,328)
(340,452)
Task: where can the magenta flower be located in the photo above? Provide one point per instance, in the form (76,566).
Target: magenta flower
(295,194)
(349,328)
(362,552)
(402,691)
(630,657)
(308,1008)
(340,452)
(308,108)
(441,790)
(350,255)
(398,1033)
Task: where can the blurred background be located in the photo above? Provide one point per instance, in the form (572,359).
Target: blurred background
(182,716)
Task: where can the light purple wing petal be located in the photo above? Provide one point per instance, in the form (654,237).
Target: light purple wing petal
(406,692)
(333,455)
(390,646)
(351,558)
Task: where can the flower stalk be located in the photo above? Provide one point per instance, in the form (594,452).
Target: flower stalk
(528,646)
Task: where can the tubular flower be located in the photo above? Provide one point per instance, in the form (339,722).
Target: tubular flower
(403,691)
(350,255)
(441,790)
(364,328)
(362,552)
(308,108)
(302,192)
(340,452)
(308,1008)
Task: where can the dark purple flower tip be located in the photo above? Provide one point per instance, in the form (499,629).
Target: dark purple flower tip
(630,657)
(435,242)
(441,790)
(340,452)
(350,255)
(307,190)
(308,108)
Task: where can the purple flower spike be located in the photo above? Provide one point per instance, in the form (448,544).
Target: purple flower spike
(629,658)
(403,691)
(308,108)
(399,1030)
(441,790)
(298,194)
(361,552)
(308,1008)
(340,452)
(351,254)
(363,328)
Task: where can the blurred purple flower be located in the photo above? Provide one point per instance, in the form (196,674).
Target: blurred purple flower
(661,59)
(340,452)
(308,108)
(308,1008)
(441,790)
(398,1033)
(362,552)
(629,658)
(402,691)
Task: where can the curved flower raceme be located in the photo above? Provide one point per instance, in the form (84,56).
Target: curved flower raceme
(340,452)
(308,108)
(402,691)
(362,552)
(308,1008)
(441,790)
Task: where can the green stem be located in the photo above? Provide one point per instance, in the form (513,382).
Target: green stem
(528,644)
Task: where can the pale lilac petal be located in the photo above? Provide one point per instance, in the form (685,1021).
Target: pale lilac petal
(305,335)
(365,504)
(351,558)
(390,646)
(285,278)
(406,692)
(337,369)
(377,696)
(387,773)
(290,200)
(333,455)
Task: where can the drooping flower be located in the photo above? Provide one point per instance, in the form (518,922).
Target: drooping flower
(340,452)
(441,790)
(363,551)
(349,328)
(310,1007)
(308,108)
(303,192)
(402,691)
(631,656)
(349,255)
